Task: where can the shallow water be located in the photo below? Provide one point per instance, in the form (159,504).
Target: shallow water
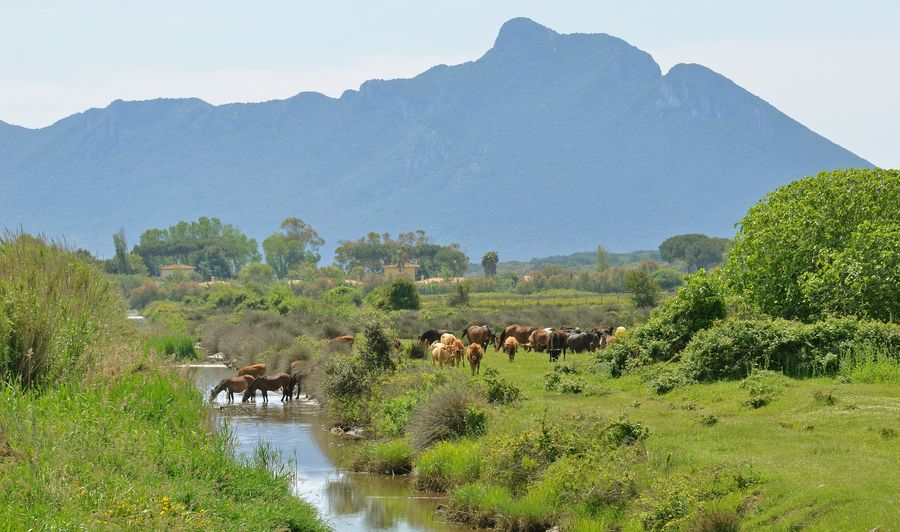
(348,501)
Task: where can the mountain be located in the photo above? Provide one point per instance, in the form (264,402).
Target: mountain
(547,144)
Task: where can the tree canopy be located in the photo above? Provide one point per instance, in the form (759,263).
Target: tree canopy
(825,244)
(297,243)
(489,263)
(215,249)
(373,251)
(696,250)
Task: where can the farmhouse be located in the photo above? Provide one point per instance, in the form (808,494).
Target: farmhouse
(408,271)
(171,269)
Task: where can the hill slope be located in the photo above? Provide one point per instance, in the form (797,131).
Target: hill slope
(547,144)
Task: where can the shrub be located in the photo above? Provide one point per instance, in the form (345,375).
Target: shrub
(460,296)
(698,304)
(446,415)
(400,294)
(415,351)
(499,391)
(763,387)
(447,465)
(572,385)
(393,414)
(716,521)
(343,295)
(869,364)
(822,244)
(56,312)
(376,346)
(392,457)
(731,349)
(667,379)
(668,278)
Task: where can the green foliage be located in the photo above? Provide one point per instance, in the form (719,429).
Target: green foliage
(56,312)
(179,345)
(400,294)
(603,259)
(298,243)
(731,349)
(499,391)
(393,414)
(373,251)
(698,304)
(376,346)
(668,278)
(448,464)
(645,291)
(869,364)
(822,244)
(415,351)
(763,387)
(343,295)
(392,457)
(121,258)
(460,297)
(256,273)
(696,250)
(215,249)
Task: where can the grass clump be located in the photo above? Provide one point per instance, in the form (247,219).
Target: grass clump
(181,346)
(763,387)
(392,457)
(447,465)
(56,312)
(450,412)
(498,391)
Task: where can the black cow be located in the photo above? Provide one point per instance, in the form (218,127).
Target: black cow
(578,343)
(431,336)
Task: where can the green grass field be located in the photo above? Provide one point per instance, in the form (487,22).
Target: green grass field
(828,452)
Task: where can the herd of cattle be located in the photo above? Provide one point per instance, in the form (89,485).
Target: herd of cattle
(447,348)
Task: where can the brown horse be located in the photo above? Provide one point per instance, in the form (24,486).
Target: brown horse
(232,384)
(518,332)
(256,370)
(474,354)
(297,371)
(510,345)
(479,334)
(268,384)
(539,339)
(342,342)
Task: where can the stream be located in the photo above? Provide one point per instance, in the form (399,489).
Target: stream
(346,500)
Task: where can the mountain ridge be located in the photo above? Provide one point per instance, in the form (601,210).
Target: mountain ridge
(546,144)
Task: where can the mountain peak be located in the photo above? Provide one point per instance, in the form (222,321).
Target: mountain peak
(521,32)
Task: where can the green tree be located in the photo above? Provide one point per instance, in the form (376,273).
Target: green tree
(604,259)
(400,294)
(696,250)
(644,289)
(374,250)
(215,249)
(489,263)
(121,247)
(297,243)
(460,296)
(822,244)
(257,273)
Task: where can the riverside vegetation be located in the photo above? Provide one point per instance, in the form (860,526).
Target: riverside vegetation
(97,433)
(721,408)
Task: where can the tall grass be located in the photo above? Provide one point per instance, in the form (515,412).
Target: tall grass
(447,465)
(57,312)
(179,345)
(870,365)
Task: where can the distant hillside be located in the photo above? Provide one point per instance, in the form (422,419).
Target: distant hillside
(547,144)
(583,260)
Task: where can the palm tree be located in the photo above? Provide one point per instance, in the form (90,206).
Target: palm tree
(489,263)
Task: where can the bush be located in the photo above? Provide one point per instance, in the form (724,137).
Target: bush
(393,414)
(870,365)
(731,349)
(499,391)
(460,296)
(400,294)
(698,304)
(447,465)
(446,415)
(376,346)
(763,387)
(822,244)
(668,278)
(343,295)
(392,457)
(179,345)
(415,351)
(56,312)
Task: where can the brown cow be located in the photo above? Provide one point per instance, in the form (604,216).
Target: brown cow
(342,342)
(479,334)
(270,384)
(458,348)
(474,354)
(232,384)
(510,345)
(256,370)
(518,332)
(440,353)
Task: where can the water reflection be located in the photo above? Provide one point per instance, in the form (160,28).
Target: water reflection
(348,501)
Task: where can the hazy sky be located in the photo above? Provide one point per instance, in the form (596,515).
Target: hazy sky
(834,66)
